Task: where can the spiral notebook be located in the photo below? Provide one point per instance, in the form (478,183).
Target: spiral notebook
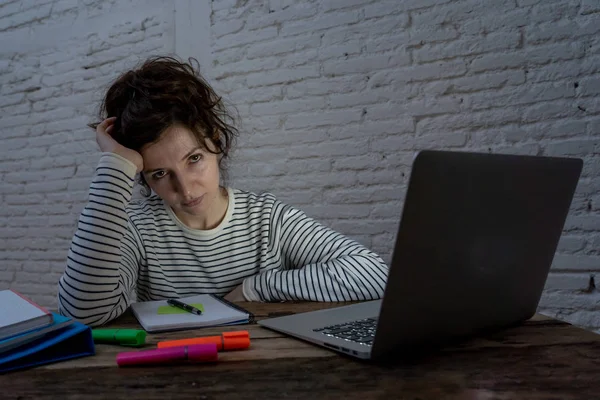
(216,311)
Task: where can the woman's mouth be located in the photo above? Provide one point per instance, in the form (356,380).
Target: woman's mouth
(193,202)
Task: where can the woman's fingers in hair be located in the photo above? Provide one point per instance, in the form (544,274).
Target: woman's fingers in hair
(108,122)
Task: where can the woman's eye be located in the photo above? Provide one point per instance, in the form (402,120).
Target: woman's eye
(158,175)
(195,158)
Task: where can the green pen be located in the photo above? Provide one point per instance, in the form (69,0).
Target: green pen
(122,337)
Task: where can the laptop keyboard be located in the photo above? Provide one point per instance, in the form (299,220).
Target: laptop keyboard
(361,331)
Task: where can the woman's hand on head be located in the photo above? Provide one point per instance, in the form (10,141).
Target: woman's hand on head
(110,145)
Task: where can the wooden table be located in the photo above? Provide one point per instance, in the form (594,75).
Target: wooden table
(542,359)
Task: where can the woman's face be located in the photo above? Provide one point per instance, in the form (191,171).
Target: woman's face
(186,177)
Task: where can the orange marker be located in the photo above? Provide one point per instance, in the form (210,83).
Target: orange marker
(226,341)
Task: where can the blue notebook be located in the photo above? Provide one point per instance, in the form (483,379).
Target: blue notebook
(58,322)
(72,341)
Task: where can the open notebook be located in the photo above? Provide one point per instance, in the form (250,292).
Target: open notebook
(158,316)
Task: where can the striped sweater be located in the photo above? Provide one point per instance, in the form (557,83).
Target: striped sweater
(273,249)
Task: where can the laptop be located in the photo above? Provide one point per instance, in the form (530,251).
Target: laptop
(474,246)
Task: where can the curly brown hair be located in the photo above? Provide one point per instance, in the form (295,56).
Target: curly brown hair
(163,92)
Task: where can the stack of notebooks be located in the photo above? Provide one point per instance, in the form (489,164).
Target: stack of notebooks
(31,335)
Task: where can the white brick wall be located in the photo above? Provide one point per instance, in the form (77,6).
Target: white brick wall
(56,59)
(337,94)
(340,93)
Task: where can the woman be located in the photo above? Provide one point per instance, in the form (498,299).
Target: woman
(193,235)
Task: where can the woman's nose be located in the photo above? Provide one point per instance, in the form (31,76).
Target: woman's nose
(183,186)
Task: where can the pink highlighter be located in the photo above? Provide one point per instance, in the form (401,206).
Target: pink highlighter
(196,353)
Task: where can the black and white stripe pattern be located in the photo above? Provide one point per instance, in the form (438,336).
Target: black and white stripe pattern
(275,250)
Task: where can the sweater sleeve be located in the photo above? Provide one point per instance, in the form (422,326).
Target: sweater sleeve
(320,265)
(102,262)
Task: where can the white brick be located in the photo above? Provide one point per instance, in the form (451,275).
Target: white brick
(594,127)
(281,46)
(477,82)
(315,87)
(372,194)
(350,48)
(569,300)
(332,149)
(574,147)
(13,144)
(18,109)
(240,39)
(430,36)
(230,27)
(522,95)
(359,99)
(565,70)
(223,57)
(559,129)
(567,281)
(582,223)
(71,147)
(505,20)
(287,137)
(364,65)
(10,8)
(464,47)
(587,186)
(554,11)
(255,95)
(553,31)
(299,197)
(287,107)
(440,140)
(10,100)
(320,23)
(294,60)
(297,12)
(490,62)
(358,163)
(589,86)
(47,186)
(39,12)
(393,144)
(426,72)
(247,66)
(340,179)
(571,244)
(76,184)
(555,52)
(589,7)
(25,153)
(383,9)
(311,120)
(330,5)
(386,26)
(472,119)
(28,85)
(550,110)
(378,178)
(62,6)
(457,12)
(293,167)
(282,76)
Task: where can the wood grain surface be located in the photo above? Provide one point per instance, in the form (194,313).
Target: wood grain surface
(540,359)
